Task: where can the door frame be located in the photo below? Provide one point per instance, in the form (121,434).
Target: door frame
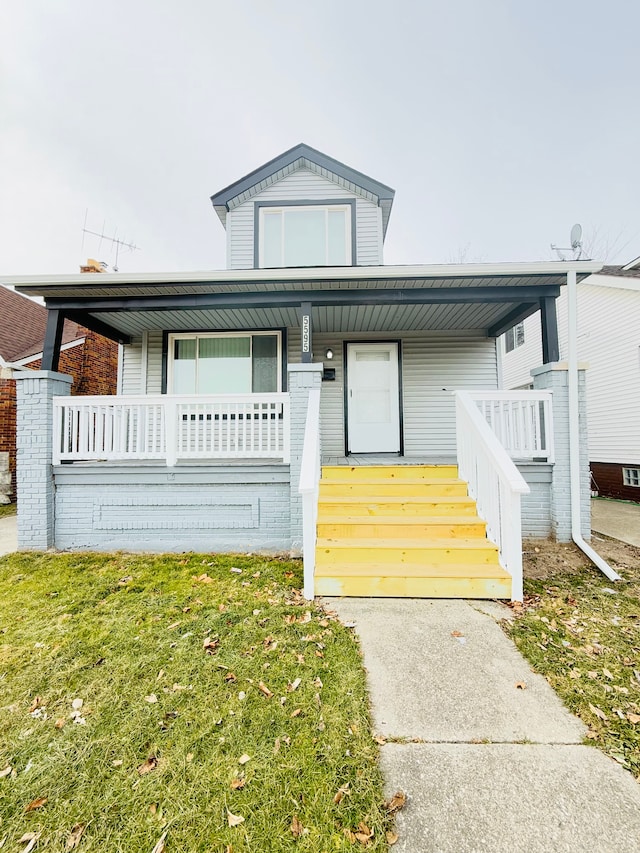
(345,345)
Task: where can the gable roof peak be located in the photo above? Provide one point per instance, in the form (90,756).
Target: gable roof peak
(381,193)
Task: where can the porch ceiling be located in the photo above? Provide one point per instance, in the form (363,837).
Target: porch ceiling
(485,297)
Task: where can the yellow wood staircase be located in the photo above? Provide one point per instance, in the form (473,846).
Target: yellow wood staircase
(403,531)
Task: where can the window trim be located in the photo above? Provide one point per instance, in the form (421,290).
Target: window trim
(515,344)
(628,477)
(322,203)
(171,337)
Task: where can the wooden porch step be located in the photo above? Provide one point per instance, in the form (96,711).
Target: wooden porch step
(355,527)
(401,586)
(421,552)
(408,487)
(377,568)
(388,472)
(405,505)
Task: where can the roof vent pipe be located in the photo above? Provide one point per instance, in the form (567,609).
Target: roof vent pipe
(574,434)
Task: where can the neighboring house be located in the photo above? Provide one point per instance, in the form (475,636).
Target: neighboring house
(239,387)
(609,344)
(88,357)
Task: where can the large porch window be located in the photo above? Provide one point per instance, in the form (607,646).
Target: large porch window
(225,363)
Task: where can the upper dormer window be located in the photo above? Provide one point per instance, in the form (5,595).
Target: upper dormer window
(305,235)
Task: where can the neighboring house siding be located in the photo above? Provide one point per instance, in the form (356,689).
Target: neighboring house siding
(303,184)
(609,343)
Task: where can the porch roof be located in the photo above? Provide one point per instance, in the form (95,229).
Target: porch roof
(482,297)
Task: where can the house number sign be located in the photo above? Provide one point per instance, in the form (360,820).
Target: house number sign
(306,336)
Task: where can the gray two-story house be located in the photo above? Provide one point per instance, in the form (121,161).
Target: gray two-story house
(310,398)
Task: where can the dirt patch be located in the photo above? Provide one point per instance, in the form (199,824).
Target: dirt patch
(544,557)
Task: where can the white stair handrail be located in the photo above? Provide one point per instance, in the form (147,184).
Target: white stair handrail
(495,484)
(309,488)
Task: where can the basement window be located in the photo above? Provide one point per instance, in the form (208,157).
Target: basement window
(514,337)
(631,477)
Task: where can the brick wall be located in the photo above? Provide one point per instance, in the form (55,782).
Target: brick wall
(94,368)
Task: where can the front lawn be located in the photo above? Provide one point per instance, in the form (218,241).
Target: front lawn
(7,509)
(582,632)
(188,703)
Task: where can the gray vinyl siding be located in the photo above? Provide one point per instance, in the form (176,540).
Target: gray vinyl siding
(132,368)
(303,185)
(154,363)
(433,366)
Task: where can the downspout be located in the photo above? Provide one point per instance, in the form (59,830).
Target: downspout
(574,433)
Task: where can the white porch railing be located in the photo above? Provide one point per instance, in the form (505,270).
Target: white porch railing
(309,489)
(522,420)
(495,484)
(171,428)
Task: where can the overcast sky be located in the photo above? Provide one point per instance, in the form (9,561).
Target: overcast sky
(499,123)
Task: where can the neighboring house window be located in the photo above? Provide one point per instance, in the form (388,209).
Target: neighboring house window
(305,236)
(631,476)
(514,337)
(234,363)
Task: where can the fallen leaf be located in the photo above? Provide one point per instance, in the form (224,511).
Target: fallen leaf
(37,804)
(173,625)
(297,829)
(125,581)
(237,784)
(32,838)
(151,698)
(293,685)
(575,673)
(600,714)
(234,819)
(341,793)
(6,771)
(244,758)
(147,766)
(202,578)
(457,634)
(210,645)
(391,837)
(633,718)
(380,739)
(364,834)
(118,762)
(323,622)
(74,836)
(160,845)
(262,687)
(592,735)
(77,704)
(189,756)
(59,723)
(396,802)
(607,674)
(520,685)
(235,570)
(297,712)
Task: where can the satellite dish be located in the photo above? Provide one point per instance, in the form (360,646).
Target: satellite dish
(576,236)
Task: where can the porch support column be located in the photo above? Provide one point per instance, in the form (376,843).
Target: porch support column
(554,378)
(550,346)
(302,378)
(306,328)
(35,390)
(52,340)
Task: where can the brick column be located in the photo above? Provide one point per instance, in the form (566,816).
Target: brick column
(554,377)
(36,512)
(302,378)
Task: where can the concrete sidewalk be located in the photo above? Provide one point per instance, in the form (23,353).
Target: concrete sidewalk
(487,766)
(8,534)
(617,519)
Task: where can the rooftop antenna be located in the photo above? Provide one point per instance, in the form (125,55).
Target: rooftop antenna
(115,241)
(576,244)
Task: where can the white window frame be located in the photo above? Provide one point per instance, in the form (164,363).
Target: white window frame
(631,477)
(268,210)
(183,336)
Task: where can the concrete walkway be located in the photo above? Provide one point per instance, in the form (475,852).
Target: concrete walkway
(617,519)
(8,534)
(487,765)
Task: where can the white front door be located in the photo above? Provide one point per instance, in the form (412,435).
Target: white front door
(373,404)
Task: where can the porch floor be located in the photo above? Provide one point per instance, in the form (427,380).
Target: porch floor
(356,459)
